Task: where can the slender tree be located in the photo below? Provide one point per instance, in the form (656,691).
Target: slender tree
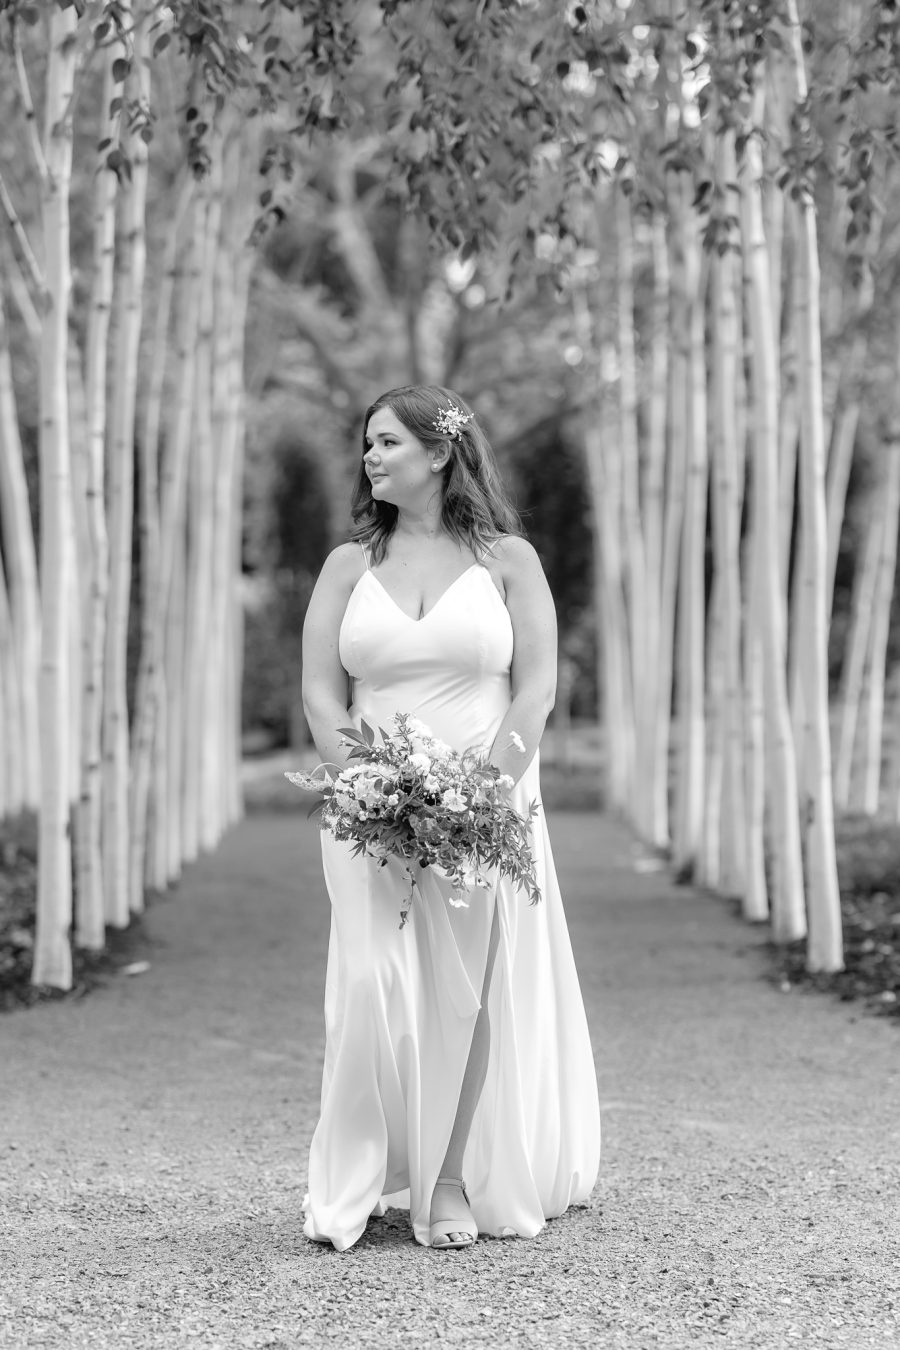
(53,957)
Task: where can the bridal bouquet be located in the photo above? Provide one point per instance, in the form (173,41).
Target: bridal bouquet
(411,796)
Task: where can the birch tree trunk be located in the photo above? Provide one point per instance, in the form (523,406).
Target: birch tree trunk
(653,818)
(147,723)
(846,420)
(690,691)
(767,617)
(116,831)
(613,676)
(88,816)
(889,516)
(167,653)
(825,948)
(201,502)
(631,531)
(22,580)
(232,293)
(676,475)
(727,503)
(52,955)
(853,667)
(79,580)
(11,748)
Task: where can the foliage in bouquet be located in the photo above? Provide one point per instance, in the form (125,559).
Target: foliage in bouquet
(412,797)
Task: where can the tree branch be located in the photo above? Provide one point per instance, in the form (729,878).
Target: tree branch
(26,254)
(351,232)
(18,289)
(31,125)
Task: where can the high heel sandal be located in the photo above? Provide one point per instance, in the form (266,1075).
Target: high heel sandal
(444,1227)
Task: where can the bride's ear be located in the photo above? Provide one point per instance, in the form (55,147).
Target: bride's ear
(439,458)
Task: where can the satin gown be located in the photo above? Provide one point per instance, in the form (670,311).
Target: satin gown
(400,1005)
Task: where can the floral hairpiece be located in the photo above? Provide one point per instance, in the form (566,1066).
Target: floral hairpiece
(449,421)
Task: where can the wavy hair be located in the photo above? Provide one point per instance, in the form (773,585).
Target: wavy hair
(475,507)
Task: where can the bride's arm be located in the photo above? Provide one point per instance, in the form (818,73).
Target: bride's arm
(533,673)
(325,681)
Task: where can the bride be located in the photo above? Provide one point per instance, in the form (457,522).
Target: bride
(458,1077)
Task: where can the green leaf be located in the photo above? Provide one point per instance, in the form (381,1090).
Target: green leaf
(120,69)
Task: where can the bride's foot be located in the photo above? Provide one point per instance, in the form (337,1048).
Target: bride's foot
(452,1225)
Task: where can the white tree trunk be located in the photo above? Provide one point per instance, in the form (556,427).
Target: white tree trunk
(889,516)
(653,820)
(166,857)
(676,475)
(116,831)
(788,909)
(22,575)
(630,526)
(88,816)
(846,418)
(854,662)
(11,747)
(727,504)
(689,687)
(825,948)
(53,955)
(201,581)
(148,722)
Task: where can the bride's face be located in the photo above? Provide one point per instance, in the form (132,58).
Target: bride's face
(400,469)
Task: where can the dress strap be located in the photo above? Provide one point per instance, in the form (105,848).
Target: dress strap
(365,555)
(488,549)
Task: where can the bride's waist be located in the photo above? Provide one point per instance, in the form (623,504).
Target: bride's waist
(461,719)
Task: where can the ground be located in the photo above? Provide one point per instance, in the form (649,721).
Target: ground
(153,1140)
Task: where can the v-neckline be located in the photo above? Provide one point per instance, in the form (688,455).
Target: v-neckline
(443,594)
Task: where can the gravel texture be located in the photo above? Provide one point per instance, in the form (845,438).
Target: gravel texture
(153,1141)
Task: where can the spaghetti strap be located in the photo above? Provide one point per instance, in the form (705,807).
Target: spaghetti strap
(488,549)
(365,555)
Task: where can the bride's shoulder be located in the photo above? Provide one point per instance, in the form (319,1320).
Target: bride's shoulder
(514,554)
(344,565)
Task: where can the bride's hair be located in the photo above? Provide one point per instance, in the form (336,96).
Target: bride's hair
(475,507)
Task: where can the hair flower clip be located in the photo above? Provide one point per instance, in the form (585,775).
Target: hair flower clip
(450,420)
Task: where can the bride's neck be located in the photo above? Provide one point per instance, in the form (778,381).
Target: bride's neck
(419,529)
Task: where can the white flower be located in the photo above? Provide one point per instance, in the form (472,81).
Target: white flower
(420,762)
(516,740)
(453,800)
(393,799)
(458,902)
(350,772)
(505,782)
(440,750)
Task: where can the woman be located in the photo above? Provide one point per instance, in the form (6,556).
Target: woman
(457,1046)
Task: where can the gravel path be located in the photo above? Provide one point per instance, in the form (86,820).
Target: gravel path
(153,1141)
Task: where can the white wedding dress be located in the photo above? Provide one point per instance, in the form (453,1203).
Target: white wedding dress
(400,1005)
